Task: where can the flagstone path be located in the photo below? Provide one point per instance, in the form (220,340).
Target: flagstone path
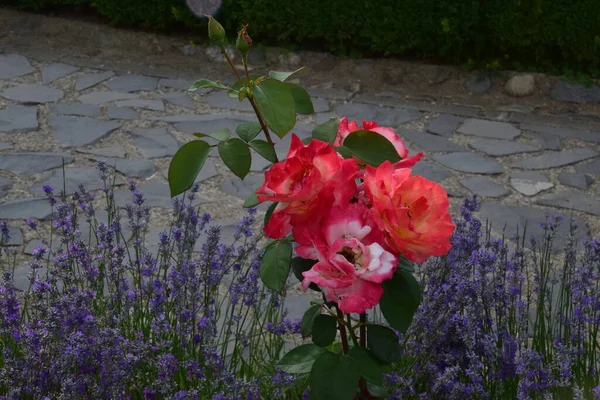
(53,114)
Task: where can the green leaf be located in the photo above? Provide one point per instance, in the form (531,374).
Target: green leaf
(333,377)
(275,265)
(282,76)
(400,300)
(344,152)
(383,343)
(327,131)
(371,147)
(270,212)
(186,164)
(308,318)
(207,84)
(263,148)
(238,85)
(405,265)
(220,135)
(236,156)
(299,265)
(248,130)
(251,201)
(323,330)
(300,359)
(303,102)
(377,391)
(276,105)
(368,367)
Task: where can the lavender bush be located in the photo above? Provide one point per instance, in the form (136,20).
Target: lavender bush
(106,318)
(505,324)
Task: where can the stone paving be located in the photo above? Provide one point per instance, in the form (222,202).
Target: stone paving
(54,114)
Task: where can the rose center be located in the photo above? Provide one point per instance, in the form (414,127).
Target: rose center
(352,255)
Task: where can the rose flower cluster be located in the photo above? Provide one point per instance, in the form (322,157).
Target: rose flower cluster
(355,220)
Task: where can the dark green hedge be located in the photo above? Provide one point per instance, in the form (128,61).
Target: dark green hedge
(531,32)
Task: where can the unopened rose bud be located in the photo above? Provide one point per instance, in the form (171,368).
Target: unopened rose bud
(244,41)
(216,33)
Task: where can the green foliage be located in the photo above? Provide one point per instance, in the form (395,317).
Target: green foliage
(186,164)
(400,300)
(275,265)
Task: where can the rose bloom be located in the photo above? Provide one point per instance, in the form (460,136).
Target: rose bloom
(411,211)
(351,263)
(312,179)
(346,128)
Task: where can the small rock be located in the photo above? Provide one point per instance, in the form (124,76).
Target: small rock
(189,50)
(498,148)
(33,163)
(84,110)
(556,159)
(114,112)
(572,201)
(32,93)
(478,83)
(576,180)
(530,183)
(79,131)
(444,125)
(13,66)
(89,80)
(469,162)
(105,97)
(575,93)
(132,83)
(5,186)
(520,85)
(484,187)
(489,129)
(52,72)
(17,118)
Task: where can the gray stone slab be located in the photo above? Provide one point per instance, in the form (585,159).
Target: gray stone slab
(513,219)
(70,181)
(478,83)
(497,147)
(178,99)
(132,83)
(384,116)
(228,230)
(431,171)
(588,136)
(576,180)
(155,143)
(444,125)
(242,189)
(79,131)
(131,167)
(220,99)
(320,104)
(179,84)
(5,186)
(530,183)
(83,110)
(121,113)
(89,80)
(208,118)
(469,162)
(489,129)
(484,187)
(575,93)
(35,243)
(590,168)
(54,71)
(33,93)
(297,305)
(155,194)
(5,146)
(209,170)
(16,236)
(17,118)
(547,141)
(572,201)
(26,208)
(556,159)
(118,152)
(13,66)
(154,105)
(33,163)
(105,97)
(428,142)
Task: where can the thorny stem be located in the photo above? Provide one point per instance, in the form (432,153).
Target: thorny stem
(258,115)
(342,329)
